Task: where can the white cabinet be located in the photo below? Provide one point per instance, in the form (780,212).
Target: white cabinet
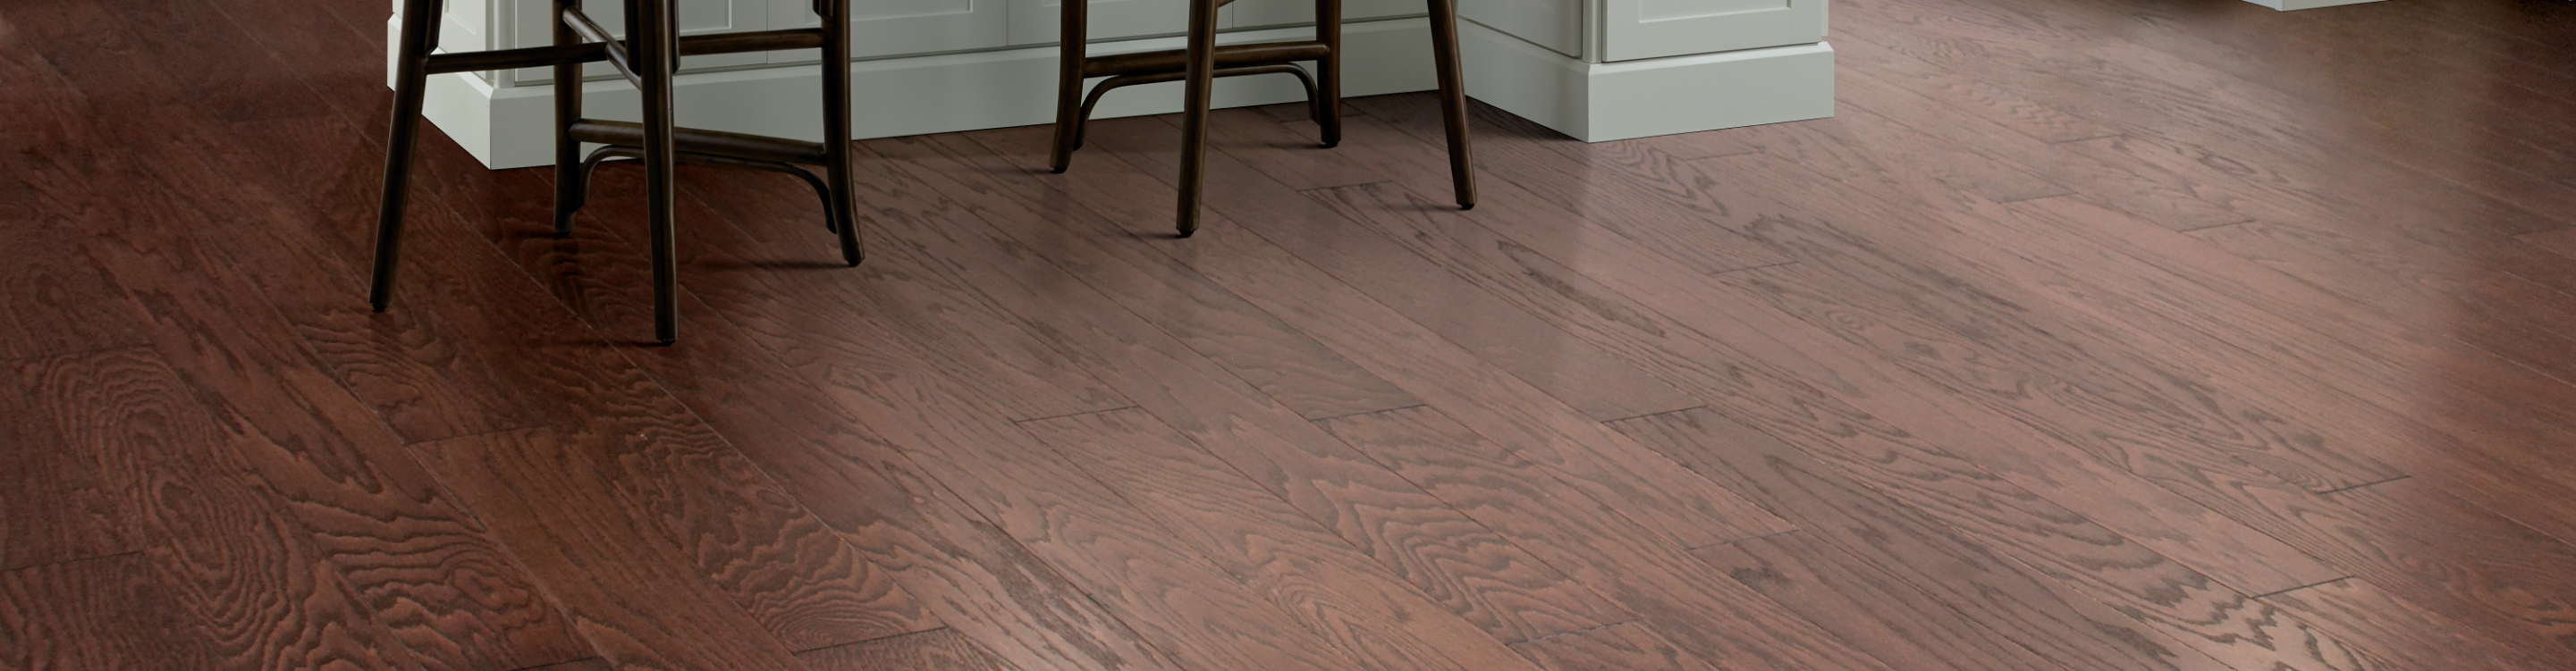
(1593,69)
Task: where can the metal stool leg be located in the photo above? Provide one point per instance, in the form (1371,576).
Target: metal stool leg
(655,57)
(411,75)
(1328,77)
(1201,74)
(844,206)
(1068,88)
(572,178)
(1453,99)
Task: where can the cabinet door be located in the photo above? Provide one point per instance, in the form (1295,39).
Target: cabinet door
(1633,29)
(1555,24)
(1268,13)
(1038,21)
(892,27)
(696,17)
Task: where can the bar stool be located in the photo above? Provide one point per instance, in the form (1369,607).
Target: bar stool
(1201,61)
(647,57)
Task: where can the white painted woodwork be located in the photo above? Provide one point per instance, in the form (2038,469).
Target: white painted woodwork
(1634,29)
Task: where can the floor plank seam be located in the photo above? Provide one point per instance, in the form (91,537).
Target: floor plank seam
(1584,630)
(1747,539)
(2347,488)
(2088,139)
(1365,413)
(2212,227)
(2278,592)
(1075,414)
(1702,406)
(1747,269)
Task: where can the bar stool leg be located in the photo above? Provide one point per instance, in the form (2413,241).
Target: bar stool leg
(836,127)
(657,50)
(572,178)
(1328,75)
(1201,73)
(1453,99)
(411,75)
(1068,85)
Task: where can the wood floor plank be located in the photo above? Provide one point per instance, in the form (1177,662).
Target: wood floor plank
(98,614)
(1705,613)
(969,573)
(2142,610)
(638,600)
(1258,347)
(1602,386)
(1879,613)
(1768,390)
(1477,574)
(247,579)
(934,650)
(2355,609)
(57,509)
(1272,547)
(1542,428)
(1627,645)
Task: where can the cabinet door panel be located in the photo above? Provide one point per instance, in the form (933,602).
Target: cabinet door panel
(533,28)
(1038,21)
(1555,24)
(895,27)
(1267,13)
(1634,29)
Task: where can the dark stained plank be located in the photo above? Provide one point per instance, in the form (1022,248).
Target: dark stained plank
(2561,241)
(1764,383)
(2075,593)
(934,650)
(1272,547)
(53,299)
(2356,609)
(966,571)
(634,596)
(56,509)
(1540,427)
(1880,613)
(246,578)
(1620,647)
(1447,556)
(1258,347)
(1700,610)
(98,614)
(1600,385)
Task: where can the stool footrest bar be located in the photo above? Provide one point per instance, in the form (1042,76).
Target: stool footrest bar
(721,143)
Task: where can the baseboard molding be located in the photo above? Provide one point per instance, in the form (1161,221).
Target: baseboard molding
(1598,102)
(511,127)
(2290,5)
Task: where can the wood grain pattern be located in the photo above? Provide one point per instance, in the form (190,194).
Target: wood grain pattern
(1543,428)
(1881,511)
(1769,391)
(1878,613)
(1601,385)
(57,509)
(2354,608)
(1477,574)
(102,613)
(934,650)
(248,580)
(1706,614)
(967,572)
(636,598)
(1344,596)
(1626,645)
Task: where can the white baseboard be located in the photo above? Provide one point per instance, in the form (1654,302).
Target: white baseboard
(2288,5)
(512,127)
(1599,102)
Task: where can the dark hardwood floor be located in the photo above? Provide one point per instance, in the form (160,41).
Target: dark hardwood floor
(2088,335)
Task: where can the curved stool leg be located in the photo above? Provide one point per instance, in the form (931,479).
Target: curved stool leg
(1326,98)
(572,180)
(1069,107)
(420,21)
(1453,99)
(655,56)
(844,206)
(1201,76)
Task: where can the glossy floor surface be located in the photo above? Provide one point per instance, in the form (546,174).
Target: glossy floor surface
(2089,335)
